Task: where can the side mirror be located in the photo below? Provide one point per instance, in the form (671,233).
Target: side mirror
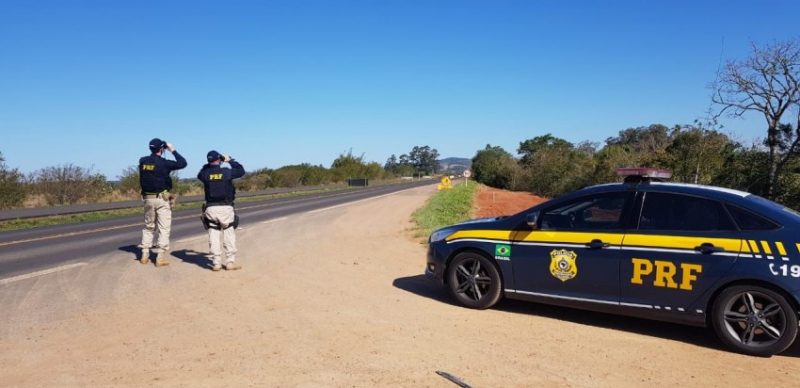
(532,220)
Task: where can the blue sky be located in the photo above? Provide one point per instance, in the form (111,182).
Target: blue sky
(285,82)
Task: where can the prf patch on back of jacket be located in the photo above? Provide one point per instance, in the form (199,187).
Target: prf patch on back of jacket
(148,167)
(215,177)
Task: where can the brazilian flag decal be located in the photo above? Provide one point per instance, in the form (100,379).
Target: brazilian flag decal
(502,250)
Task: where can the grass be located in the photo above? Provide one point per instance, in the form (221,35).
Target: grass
(445,208)
(38,222)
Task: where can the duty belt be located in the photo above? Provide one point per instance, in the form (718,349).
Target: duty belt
(224,203)
(164,194)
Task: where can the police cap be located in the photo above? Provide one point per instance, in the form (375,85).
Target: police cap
(157,144)
(213,156)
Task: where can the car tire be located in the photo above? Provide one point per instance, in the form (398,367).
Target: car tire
(474,281)
(754,320)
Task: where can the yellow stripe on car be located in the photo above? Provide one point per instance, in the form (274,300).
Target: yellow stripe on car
(632,240)
(754,247)
(541,236)
(568,237)
(503,235)
(767,249)
(781,249)
(681,242)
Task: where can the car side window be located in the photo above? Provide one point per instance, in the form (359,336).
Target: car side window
(601,211)
(749,221)
(667,211)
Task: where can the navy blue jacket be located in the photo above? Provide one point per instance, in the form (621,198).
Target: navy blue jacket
(218,182)
(154,172)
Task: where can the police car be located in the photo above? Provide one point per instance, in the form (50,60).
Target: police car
(691,254)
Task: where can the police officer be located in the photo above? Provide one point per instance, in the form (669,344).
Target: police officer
(154,177)
(218,210)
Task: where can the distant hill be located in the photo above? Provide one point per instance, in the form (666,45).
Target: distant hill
(454,166)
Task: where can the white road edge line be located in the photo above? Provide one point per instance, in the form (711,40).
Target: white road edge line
(355,202)
(40,273)
(274,220)
(188,239)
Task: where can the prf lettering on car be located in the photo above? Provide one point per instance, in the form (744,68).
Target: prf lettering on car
(214,177)
(665,272)
(148,167)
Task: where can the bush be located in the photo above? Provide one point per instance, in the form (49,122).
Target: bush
(69,184)
(12,186)
(129,181)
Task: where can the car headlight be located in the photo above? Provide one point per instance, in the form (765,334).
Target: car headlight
(439,235)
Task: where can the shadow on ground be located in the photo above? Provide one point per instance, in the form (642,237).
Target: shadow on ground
(132,249)
(420,285)
(191,256)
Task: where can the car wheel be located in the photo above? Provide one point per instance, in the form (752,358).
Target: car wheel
(754,320)
(474,281)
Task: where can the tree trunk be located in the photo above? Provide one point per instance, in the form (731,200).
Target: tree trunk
(772,142)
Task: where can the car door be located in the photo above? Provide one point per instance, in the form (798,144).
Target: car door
(573,252)
(682,246)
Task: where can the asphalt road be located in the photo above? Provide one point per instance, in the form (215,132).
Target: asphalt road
(28,251)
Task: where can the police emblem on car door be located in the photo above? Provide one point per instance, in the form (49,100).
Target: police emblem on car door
(581,233)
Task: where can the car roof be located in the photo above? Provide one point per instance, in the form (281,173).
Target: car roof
(686,188)
(743,199)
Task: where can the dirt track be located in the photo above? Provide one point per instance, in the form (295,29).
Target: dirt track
(334,298)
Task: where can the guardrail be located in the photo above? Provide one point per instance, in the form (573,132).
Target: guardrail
(13,214)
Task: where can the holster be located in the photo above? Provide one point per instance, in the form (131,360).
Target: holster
(173,200)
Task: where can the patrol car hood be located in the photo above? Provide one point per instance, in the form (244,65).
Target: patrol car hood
(480,220)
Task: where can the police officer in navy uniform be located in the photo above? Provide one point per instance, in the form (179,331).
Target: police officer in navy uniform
(218,211)
(155,180)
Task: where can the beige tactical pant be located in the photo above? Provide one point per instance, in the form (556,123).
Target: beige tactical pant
(156,213)
(223,216)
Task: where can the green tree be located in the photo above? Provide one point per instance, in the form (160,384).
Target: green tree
(745,169)
(554,166)
(12,186)
(647,146)
(424,159)
(698,155)
(391,164)
(494,166)
(608,160)
(399,167)
(529,149)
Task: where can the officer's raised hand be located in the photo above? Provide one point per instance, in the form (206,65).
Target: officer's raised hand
(170,147)
(226,158)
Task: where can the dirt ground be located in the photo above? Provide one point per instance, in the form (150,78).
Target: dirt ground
(332,298)
(493,202)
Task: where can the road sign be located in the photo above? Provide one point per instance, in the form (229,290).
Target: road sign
(467,173)
(446,184)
